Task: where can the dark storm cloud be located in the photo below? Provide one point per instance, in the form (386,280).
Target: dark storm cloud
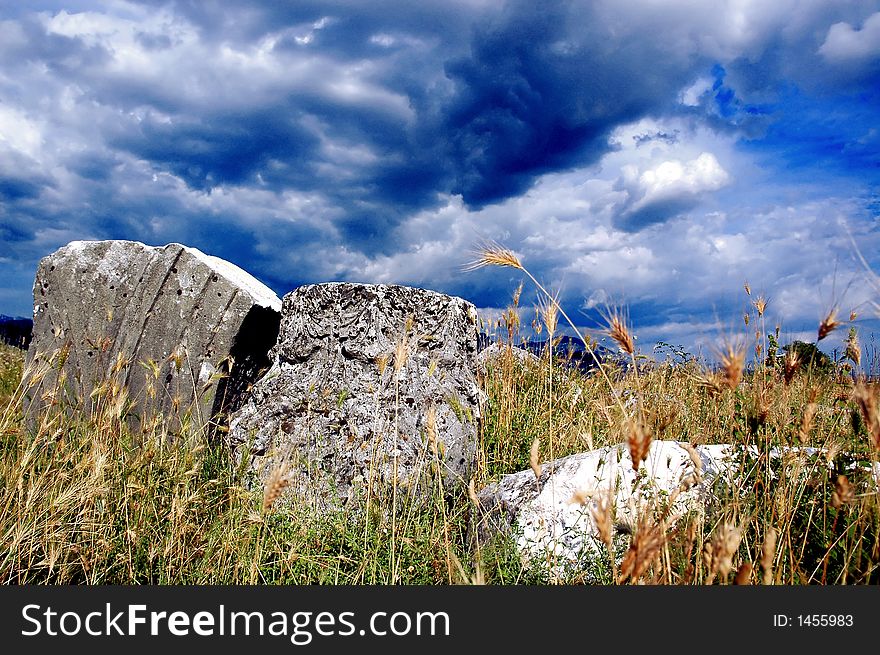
(61,55)
(657,211)
(537,89)
(541,91)
(12,189)
(93,166)
(224,148)
(313,140)
(351,23)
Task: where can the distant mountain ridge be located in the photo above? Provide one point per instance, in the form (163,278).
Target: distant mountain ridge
(15,330)
(571,351)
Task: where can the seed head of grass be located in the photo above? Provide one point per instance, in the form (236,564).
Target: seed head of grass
(865,395)
(493,254)
(723,547)
(843,493)
(177,357)
(828,324)
(121,363)
(853,349)
(431,428)
(710,382)
(733,358)
(472,493)
(275,486)
(401,353)
(534,461)
(645,548)
(697,476)
(768,553)
(639,442)
(760,304)
(36,370)
(549,310)
(620,333)
(807,421)
(602,515)
(790,365)
(743,574)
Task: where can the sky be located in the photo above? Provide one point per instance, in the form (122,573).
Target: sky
(654,156)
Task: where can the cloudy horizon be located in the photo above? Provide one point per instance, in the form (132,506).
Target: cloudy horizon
(651,155)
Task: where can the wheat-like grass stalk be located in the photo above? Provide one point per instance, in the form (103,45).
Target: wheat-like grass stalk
(493,254)
(843,493)
(743,574)
(828,324)
(807,421)
(790,365)
(722,549)
(275,485)
(601,511)
(733,357)
(534,460)
(638,441)
(620,333)
(853,350)
(643,551)
(472,493)
(549,311)
(431,429)
(866,398)
(768,553)
(760,304)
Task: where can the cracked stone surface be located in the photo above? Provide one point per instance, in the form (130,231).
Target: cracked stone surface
(551,517)
(164,323)
(366,377)
(493,356)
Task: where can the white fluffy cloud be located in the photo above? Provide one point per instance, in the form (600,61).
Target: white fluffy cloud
(844,43)
(671,186)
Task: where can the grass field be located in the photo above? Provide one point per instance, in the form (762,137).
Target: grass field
(83,501)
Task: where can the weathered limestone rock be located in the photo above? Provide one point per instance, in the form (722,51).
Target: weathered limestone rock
(494,355)
(551,525)
(365,377)
(157,326)
(551,518)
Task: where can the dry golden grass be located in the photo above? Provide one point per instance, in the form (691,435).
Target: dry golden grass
(86,501)
(619,332)
(792,509)
(274,486)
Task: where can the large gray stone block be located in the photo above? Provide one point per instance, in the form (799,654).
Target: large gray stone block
(364,375)
(162,323)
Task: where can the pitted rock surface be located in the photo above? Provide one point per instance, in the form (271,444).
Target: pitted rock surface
(549,521)
(551,517)
(358,371)
(495,354)
(162,323)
